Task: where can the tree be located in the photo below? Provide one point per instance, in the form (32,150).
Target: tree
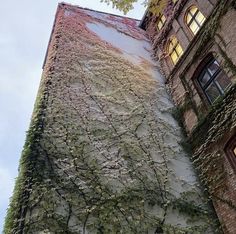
(155,6)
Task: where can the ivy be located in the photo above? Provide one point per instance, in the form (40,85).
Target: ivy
(102,154)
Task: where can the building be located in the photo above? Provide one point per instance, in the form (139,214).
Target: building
(195,43)
(104,153)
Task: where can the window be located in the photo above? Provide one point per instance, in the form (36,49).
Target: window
(230,151)
(161,21)
(194,19)
(213,80)
(174,50)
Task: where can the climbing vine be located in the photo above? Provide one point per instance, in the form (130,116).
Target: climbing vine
(208,159)
(103,154)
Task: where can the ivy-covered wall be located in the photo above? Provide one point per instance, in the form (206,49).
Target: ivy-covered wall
(209,127)
(209,140)
(103,153)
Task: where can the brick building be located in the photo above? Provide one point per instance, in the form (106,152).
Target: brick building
(104,153)
(195,42)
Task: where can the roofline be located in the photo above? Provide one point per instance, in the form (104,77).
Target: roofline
(52,31)
(143,19)
(63,4)
(88,9)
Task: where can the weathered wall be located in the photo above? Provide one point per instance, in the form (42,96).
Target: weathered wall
(208,141)
(209,127)
(103,153)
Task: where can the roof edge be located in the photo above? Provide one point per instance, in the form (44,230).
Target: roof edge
(143,19)
(62,5)
(52,31)
(102,12)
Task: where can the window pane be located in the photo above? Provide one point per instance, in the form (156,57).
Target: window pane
(174,41)
(213,67)
(189,17)
(194,27)
(200,18)
(163,19)
(170,49)
(174,57)
(172,44)
(205,78)
(194,19)
(175,50)
(159,25)
(234,150)
(213,80)
(193,10)
(212,92)
(231,152)
(222,81)
(160,22)
(179,50)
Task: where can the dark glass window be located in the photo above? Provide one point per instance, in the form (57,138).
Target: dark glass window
(230,151)
(213,81)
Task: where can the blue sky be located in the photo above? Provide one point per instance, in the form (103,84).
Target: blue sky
(24,33)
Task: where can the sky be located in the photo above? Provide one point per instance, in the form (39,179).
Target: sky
(24,34)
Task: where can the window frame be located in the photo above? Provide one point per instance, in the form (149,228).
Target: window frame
(173,50)
(193,19)
(212,80)
(229,152)
(160,20)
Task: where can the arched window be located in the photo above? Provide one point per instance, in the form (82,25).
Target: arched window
(161,21)
(194,19)
(213,80)
(175,50)
(230,151)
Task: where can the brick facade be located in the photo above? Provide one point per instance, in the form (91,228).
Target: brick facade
(208,126)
